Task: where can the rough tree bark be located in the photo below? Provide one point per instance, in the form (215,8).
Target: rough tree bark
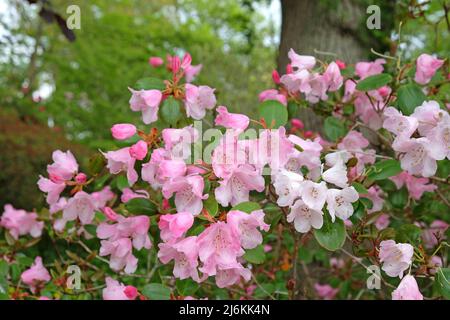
(309,25)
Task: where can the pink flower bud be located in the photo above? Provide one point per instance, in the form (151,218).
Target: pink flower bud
(122,131)
(297,123)
(80,178)
(341,64)
(139,150)
(165,204)
(110,213)
(187,59)
(155,61)
(308,134)
(131,292)
(176,64)
(384,91)
(276,77)
(289,69)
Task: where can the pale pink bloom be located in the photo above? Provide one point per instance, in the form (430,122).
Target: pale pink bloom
(128,194)
(53,189)
(273,148)
(64,166)
(435,232)
(272,94)
(440,140)
(349,90)
(318,91)
(230,154)
(229,275)
(426,67)
(267,248)
(287,186)
(81,206)
(121,160)
(237,187)
(188,193)
(146,101)
(58,206)
(336,175)
(314,194)
(185,255)
(218,246)
(121,254)
(333,77)
(366,69)
(198,100)
(36,275)
(174,226)
(429,115)
(122,131)
(416,186)
(192,71)
(382,221)
(101,198)
(110,213)
(139,150)
(396,257)
(19,222)
(375,195)
(367,113)
(418,158)
(326,291)
(304,217)
(231,120)
(339,202)
(295,82)
(301,62)
(353,141)
(159,172)
(179,141)
(435,263)
(407,290)
(399,124)
(246,227)
(117,291)
(155,61)
(310,154)
(337,263)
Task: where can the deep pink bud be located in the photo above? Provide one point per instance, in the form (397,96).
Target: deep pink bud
(122,131)
(176,64)
(341,64)
(165,204)
(110,213)
(276,77)
(289,69)
(384,91)
(297,123)
(80,178)
(131,292)
(308,134)
(139,150)
(155,61)
(187,59)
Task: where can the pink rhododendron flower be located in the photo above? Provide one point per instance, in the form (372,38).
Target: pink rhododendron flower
(287,186)
(36,275)
(301,62)
(19,222)
(64,166)
(339,202)
(123,131)
(81,206)
(110,213)
(178,141)
(185,255)
(128,194)
(146,101)
(139,150)
(419,156)
(188,193)
(429,115)
(304,217)
(80,178)
(326,291)
(400,125)
(333,77)
(382,222)
(318,89)
(336,175)
(231,120)
(192,71)
(374,195)
(229,275)
(366,69)
(396,257)
(53,189)
(337,263)
(155,61)
(407,290)
(272,94)
(121,160)
(435,232)
(174,226)
(275,77)
(198,100)
(426,67)
(416,186)
(314,194)
(246,227)
(117,291)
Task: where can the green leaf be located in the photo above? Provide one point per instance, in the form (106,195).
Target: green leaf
(443,281)
(186,287)
(408,233)
(141,206)
(211,205)
(121,182)
(360,188)
(273,112)
(149,84)
(256,255)
(374,82)
(91,228)
(366,202)
(399,198)
(332,234)
(156,291)
(96,164)
(170,111)
(385,169)
(247,206)
(292,109)
(409,96)
(334,128)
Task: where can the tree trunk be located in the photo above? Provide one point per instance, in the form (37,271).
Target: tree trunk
(309,26)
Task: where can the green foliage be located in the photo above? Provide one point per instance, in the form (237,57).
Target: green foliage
(334,128)
(256,255)
(274,113)
(332,234)
(141,206)
(374,82)
(156,291)
(409,96)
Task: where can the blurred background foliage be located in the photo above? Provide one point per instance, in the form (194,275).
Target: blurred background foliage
(56,93)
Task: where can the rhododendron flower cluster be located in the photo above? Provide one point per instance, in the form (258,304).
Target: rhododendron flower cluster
(244,204)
